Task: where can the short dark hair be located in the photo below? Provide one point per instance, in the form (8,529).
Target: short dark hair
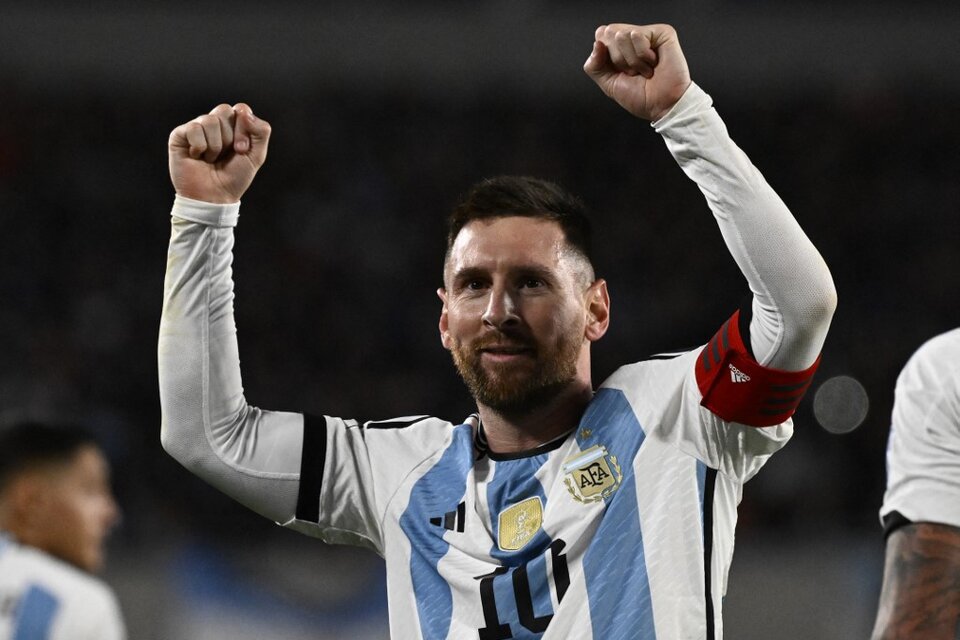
(504,196)
(24,445)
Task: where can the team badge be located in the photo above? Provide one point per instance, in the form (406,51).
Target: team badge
(592,475)
(519,523)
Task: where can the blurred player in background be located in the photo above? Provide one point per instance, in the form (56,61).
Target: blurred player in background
(920,599)
(556,511)
(56,509)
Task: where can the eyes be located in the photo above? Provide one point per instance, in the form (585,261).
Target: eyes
(530,282)
(522,283)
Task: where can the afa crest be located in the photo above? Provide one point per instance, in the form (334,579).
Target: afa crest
(592,475)
(519,523)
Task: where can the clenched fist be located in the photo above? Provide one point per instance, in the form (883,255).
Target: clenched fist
(640,66)
(215,157)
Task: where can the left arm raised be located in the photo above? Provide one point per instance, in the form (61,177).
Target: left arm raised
(643,69)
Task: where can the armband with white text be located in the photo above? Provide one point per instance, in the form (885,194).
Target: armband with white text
(736,388)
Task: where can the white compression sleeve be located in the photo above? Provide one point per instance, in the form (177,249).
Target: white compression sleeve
(207,425)
(793,291)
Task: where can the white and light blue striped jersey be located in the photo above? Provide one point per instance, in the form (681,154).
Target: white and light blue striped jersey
(42,598)
(621,530)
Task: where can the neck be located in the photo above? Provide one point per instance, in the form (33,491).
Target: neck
(521,431)
(6,523)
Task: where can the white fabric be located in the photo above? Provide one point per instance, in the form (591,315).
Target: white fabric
(254,455)
(793,293)
(76,605)
(923,452)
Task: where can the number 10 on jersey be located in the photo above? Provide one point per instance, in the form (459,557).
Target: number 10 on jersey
(494,629)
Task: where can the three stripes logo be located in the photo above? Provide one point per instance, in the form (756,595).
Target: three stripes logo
(737,376)
(452,520)
(738,389)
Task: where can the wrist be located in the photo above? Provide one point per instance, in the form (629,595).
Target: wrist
(208,198)
(208,213)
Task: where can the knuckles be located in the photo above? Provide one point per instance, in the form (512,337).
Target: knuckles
(222,109)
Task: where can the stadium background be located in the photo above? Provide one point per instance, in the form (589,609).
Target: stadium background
(383,114)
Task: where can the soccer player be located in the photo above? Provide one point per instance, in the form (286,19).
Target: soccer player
(557,510)
(920,599)
(56,509)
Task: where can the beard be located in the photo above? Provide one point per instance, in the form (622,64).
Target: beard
(517,388)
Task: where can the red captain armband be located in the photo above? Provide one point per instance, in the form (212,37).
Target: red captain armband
(738,389)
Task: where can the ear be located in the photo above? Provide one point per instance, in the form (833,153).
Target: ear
(28,501)
(597,301)
(444,328)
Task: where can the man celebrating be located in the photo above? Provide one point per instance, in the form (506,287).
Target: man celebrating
(56,509)
(556,511)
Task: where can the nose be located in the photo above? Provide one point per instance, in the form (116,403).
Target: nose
(501,311)
(111,512)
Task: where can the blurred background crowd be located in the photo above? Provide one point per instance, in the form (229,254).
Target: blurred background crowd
(383,116)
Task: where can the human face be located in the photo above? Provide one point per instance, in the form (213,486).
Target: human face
(516,315)
(76,510)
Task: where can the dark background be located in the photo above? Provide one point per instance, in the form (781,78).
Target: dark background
(383,116)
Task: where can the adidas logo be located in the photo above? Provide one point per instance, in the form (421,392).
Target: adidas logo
(452,520)
(738,376)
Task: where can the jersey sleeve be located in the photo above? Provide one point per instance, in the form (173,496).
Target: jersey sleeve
(250,454)
(923,451)
(350,471)
(793,292)
(266,460)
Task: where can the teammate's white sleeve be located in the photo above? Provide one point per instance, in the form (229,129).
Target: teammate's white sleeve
(923,452)
(793,292)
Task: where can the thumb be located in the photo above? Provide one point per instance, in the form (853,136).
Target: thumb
(596,61)
(251,134)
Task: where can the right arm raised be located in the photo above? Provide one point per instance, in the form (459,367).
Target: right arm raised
(207,425)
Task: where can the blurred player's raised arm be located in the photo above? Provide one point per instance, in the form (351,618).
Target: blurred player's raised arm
(644,70)
(207,425)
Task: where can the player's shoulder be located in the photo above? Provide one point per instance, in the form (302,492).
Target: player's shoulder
(944,347)
(420,430)
(412,425)
(408,436)
(58,577)
(659,368)
(408,424)
(935,361)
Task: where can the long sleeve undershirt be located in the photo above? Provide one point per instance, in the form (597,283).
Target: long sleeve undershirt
(793,292)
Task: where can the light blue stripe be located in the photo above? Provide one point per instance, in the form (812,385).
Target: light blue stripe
(35,613)
(513,482)
(701,489)
(614,567)
(439,491)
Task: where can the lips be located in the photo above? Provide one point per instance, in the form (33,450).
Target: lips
(505,353)
(506,350)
